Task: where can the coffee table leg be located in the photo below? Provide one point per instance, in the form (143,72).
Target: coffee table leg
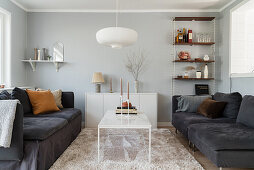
(98,144)
(150,136)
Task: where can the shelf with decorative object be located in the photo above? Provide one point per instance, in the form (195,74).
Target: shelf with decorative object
(193,78)
(34,62)
(192,57)
(194,61)
(195,43)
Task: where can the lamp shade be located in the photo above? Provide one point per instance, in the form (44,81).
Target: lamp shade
(116,37)
(97,78)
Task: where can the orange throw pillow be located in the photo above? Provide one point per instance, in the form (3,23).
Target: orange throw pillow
(42,101)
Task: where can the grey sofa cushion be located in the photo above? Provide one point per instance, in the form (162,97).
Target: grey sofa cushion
(66,113)
(246,113)
(190,103)
(40,128)
(222,136)
(22,96)
(233,103)
(182,120)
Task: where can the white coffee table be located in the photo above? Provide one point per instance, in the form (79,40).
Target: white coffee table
(111,120)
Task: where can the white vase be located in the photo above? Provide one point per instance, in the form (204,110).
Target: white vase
(136,86)
(206,72)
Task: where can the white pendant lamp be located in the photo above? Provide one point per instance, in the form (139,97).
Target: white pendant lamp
(116,37)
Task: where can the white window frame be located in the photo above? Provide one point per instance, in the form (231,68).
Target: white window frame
(6,47)
(230,34)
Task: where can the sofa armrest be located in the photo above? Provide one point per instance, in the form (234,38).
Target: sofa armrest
(68,99)
(15,151)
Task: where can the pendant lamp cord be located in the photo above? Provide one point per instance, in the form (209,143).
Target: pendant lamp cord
(117,11)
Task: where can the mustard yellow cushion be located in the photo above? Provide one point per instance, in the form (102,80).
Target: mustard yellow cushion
(42,101)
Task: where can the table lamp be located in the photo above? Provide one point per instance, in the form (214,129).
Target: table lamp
(97,80)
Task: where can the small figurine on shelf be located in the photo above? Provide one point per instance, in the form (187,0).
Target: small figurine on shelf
(206,57)
(184,55)
(49,57)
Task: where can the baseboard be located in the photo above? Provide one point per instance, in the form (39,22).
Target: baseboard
(159,124)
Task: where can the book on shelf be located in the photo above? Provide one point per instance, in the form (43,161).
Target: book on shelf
(133,107)
(125,111)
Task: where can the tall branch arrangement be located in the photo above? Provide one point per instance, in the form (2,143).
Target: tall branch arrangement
(135,63)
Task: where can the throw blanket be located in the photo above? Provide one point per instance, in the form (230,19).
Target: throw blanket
(7,116)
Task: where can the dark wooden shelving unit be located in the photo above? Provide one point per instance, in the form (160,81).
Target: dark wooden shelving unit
(193,78)
(196,24)
(194,18)
(196,43)
(193,61)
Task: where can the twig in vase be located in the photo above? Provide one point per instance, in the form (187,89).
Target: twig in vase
(135,63)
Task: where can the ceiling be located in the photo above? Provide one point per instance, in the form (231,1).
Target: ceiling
(124,5)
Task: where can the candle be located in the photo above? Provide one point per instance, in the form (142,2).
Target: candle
(128,91)
(121,82)
(111,85)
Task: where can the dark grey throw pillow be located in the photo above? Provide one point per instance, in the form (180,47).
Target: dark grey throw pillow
(246,112)
(233,103)
(22,96)
(190,103)
(4,95)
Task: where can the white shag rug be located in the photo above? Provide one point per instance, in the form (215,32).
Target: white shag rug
(126,149)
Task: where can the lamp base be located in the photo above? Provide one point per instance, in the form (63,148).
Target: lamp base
(98,88)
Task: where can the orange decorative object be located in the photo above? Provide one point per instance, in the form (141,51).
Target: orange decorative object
(125,104)
(183,55)
(199,59)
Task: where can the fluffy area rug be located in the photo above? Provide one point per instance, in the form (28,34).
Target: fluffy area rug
(126,149)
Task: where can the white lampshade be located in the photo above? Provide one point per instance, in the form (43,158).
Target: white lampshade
(116,37)
(97,78)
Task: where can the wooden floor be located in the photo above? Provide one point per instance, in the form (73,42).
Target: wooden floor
(207,164)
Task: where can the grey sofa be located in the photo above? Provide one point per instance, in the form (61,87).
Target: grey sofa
(38,140)
(226,142)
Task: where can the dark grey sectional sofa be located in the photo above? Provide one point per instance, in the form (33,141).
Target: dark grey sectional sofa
(38,140)
(225,141)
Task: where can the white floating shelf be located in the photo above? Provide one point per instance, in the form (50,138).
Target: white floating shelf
(33,63)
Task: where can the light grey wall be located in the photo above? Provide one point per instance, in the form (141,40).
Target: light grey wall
(242,85)
(18,42)
(83,55)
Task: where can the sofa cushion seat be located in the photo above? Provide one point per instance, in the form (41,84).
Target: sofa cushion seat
(40,128)
(182,120)
(222,136)
(66,113)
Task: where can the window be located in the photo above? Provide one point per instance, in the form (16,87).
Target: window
(5,34)
(242,40)
(1,47)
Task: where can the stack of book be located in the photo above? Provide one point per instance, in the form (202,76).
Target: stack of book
(132,110)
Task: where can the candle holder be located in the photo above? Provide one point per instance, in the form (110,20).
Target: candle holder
(121,104)
(128,102)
